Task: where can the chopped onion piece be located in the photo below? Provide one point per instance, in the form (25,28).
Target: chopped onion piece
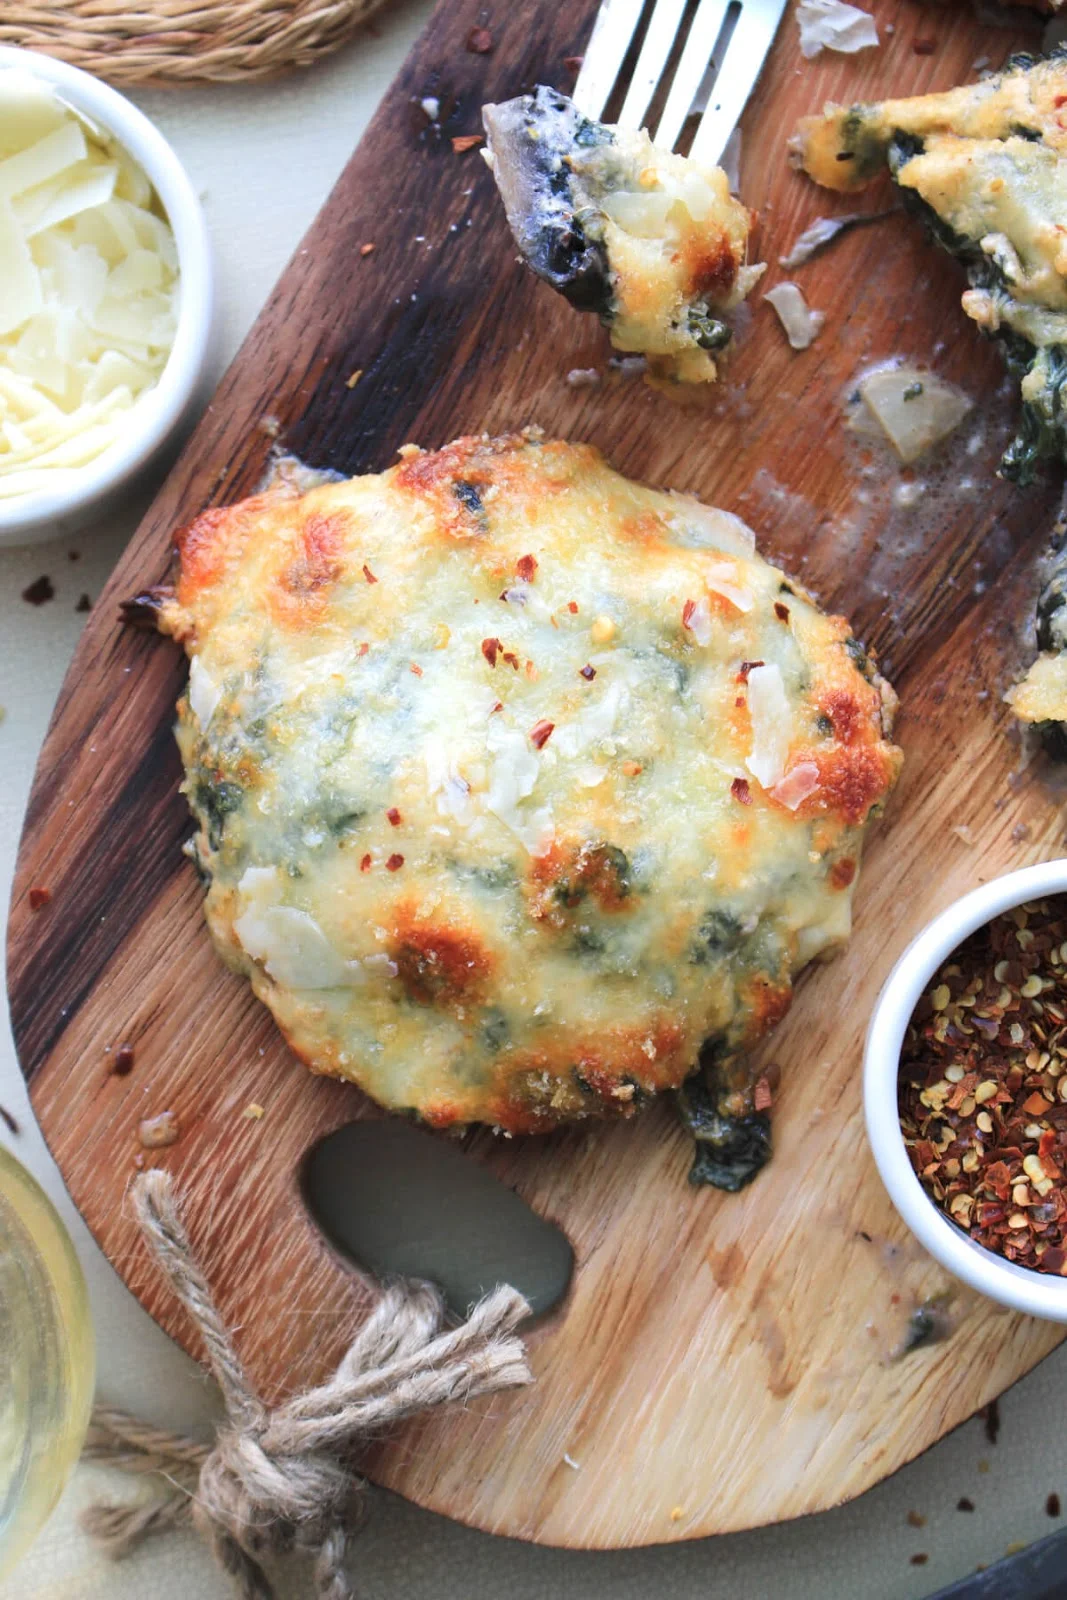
(916,409)
(833,25)
(802,325)
(768,709)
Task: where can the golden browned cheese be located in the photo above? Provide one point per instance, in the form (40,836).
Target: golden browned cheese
(516,782)
(846,146)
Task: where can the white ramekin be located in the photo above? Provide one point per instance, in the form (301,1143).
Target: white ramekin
(1040,1294)
(87,491)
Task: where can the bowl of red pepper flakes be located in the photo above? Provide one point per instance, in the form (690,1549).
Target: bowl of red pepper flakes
(965,1088)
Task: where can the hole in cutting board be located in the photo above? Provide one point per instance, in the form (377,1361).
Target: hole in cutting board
(398,1201)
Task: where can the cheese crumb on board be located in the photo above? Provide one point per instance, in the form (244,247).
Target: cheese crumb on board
(88,287)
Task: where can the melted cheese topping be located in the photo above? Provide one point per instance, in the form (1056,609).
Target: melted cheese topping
(993,168)
(1042,695)
(516,782)
(676,241)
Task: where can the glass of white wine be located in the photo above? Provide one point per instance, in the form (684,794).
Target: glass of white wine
(46,1359)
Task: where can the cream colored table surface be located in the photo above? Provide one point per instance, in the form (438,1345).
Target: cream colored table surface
(264,160)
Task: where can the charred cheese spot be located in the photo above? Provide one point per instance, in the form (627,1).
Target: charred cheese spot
(568,875)
(842,873)
(315,563)
(491,836)
(438,964)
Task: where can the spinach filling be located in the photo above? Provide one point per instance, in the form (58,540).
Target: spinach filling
(1042,431)
(730,1150)
(214,800)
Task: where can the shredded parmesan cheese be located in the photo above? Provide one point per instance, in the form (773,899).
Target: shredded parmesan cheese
(88,287)
(769,711)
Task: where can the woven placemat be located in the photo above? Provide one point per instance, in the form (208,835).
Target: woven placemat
(179,41)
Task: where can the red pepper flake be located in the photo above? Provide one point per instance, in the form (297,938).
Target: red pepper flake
(394,863)
(541,732)
(490,650)
(367,249)
(745,668)
(466,141)
(924,47)
(1060,100)
(39,898)
(741,791)
(526,566)
(363,650)
(364,865)
(762,1099)
(781,611)
(572,607)
(499,706)
(416,669)
(479,41)
(40,590)
(368,574)
(122,1065)
(394,816)
(511,659)
(587,672)
(687,612)
(842,873)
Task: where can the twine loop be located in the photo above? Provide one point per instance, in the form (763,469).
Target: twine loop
(283,1479)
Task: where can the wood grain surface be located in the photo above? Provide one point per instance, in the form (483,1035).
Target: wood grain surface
(721,1361)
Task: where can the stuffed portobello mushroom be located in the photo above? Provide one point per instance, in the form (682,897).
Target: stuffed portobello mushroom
(519,788)
(651,242)
(985,166)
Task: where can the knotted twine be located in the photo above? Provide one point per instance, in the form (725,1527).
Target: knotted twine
(275,1481)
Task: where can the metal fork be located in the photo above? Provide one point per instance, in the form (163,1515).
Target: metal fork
(743,31)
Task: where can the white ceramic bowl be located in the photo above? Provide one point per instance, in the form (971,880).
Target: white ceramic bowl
(88,491)
(1040,1294)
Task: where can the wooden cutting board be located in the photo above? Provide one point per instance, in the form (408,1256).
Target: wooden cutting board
(721,1361)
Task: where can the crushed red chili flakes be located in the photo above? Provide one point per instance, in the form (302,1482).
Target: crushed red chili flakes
(368,574)
(982,1087)
(526,567)
(541,732)
(39,898)
(587,672)
(740,791)
(394,816)
(394,863)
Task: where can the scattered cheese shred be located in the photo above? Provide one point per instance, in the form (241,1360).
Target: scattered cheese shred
(88,287)
(833,25)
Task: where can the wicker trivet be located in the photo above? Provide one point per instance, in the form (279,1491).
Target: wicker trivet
(180,41)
